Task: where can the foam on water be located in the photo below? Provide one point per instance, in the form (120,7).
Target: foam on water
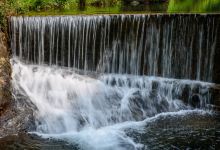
(115,136)
(94,113)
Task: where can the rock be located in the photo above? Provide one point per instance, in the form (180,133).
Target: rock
(135,3)
(3,46)
(23,140)
(195,101)
(5,75)
(215,91)
(13,119)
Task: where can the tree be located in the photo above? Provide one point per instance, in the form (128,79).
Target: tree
(82,3)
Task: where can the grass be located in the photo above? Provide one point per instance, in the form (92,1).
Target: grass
(18,7)
(89,10)
(45,7)
(22,6)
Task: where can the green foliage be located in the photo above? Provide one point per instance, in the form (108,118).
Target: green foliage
(3,9)
(13,7)
(23,6)
(202,6)
(2,20)
(61,3)
(103,2)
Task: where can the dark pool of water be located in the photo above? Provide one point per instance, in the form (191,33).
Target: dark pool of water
(187,132)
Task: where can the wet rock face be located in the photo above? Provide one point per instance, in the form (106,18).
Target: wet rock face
(216,68)
(12,117)
(5,75)
(216,98)
(5,86)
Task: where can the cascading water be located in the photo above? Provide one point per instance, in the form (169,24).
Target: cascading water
(98,109)
(177,46)
(94,112)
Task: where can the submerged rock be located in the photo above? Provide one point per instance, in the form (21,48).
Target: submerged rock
(23,140)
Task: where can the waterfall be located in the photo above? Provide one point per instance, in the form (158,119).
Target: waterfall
(94,113)
(174,46)
(93,80)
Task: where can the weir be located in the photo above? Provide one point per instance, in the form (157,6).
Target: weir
(108,75)
(174,46)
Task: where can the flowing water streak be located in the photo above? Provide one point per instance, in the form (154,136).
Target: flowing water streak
(160,45)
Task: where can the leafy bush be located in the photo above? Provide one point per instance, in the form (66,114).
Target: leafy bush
(2,16)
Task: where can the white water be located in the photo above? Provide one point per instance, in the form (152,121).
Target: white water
(94,113)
